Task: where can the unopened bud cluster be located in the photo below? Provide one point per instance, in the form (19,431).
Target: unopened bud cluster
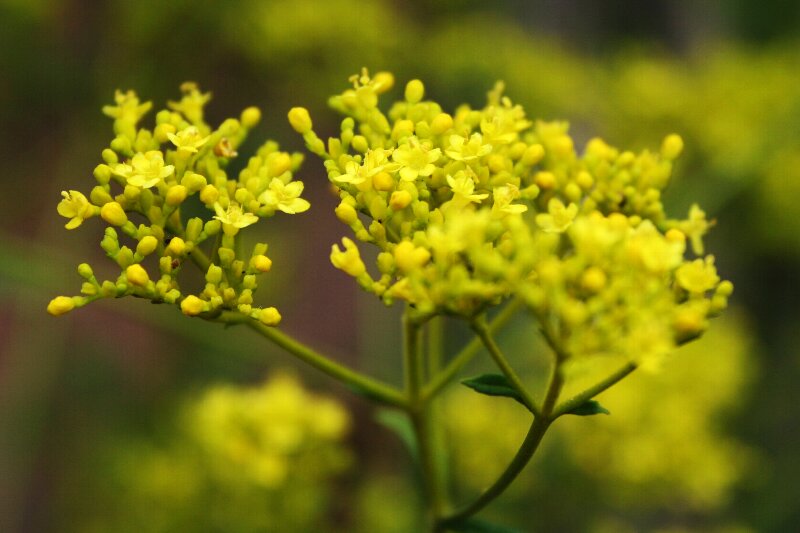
(475,206)
(149,187)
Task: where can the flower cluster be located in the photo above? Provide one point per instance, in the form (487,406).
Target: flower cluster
(150,184)
(472,207)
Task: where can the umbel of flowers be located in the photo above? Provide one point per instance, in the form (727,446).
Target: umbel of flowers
(150,181)
(473,207)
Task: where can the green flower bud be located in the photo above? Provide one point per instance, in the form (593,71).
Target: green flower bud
(250,117)
(102,173)
(193,229)
(110,157)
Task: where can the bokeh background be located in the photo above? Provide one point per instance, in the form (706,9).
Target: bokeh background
(129,417)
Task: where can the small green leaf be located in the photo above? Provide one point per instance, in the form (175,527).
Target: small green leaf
(589,408)
(473,525)
(493,385)
(401,426)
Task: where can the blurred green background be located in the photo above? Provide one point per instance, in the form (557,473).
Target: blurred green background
(112,418)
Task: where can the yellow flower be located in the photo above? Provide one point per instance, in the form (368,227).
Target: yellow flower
(408,257)
(695,227)
(188,140)
(233,218)
(374,162)
(698,276)
(503,198)
(462,149)
(416,160)
(146,169)
(75,207)
(558,217)
(128,108)
(348,260)
(285,197)
(192,103)
(463,187)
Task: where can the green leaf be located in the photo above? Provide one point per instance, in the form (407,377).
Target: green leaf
(493,385)
(589,408)
(473,525)
(401,426)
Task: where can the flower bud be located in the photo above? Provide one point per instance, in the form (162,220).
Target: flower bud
(300,120)
(346,213)
(113,213)
(85,271)
(147,245)
(192,305)
(415,91)
(137,275)
(399,200)
(176,247)
(176,195)
(250,117)
(269,316)
(441,123)
(60,305)
(262,263)
(209,194)
(672,147)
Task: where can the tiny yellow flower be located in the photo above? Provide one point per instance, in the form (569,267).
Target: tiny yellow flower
(415,160)
(128,108)
(188,139)
(146,169)
(75,207)
(503,197)
(462,149)
(558,217)
(233,218)
(375,161)
(695,227)
(463,187)
(285,197)
(698,276)
(348,259)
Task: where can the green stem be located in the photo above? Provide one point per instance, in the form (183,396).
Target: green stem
(482,330)
(376,389)
(420,415)
(469,351)
(591,392)
(529,446)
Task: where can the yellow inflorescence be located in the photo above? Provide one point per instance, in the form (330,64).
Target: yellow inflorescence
(475,206)
(147,176)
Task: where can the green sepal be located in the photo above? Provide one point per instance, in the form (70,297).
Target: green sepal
(589,408)
(493,385)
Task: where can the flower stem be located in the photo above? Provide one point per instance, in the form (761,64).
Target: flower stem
(536,432)
(360,382)
(482,330)
(469,351)
(591,392)
(420,413)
